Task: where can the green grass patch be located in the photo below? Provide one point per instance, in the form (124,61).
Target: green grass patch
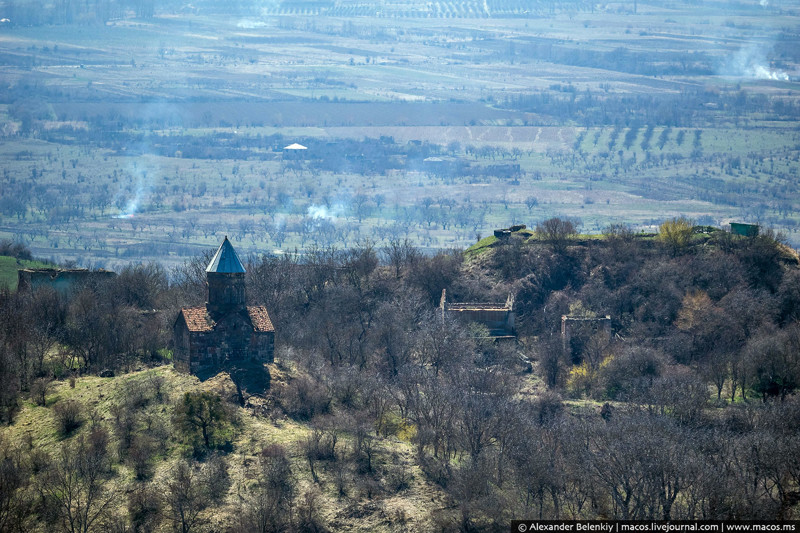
(97,396)
(528,236)
(479,247)
(589,237)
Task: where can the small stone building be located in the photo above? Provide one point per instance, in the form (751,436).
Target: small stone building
(226,332)
(497,317)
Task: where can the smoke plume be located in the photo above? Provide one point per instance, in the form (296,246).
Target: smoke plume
(751,62)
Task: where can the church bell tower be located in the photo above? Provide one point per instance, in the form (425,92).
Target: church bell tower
(225,281)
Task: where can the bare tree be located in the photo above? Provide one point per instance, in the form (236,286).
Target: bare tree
(76,485)
(16,502)
(482,395)
(641,464)
(268,506)
(400,255)
(556,231)
(186,496)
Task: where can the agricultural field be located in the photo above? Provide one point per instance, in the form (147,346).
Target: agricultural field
(148,136)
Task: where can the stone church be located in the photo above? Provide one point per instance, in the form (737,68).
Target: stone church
(226,332)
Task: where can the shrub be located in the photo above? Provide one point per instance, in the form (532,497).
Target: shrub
(584,379)
(144,507)
(548,408)
(140,455)
(398,476)
(676,233)
(39,390)
(217,477)
(628,375)
(304,399)
(68,416)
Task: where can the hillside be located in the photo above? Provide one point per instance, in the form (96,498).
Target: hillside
(384,414)
(148,396)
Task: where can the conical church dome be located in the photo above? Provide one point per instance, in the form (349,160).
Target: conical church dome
(225,261)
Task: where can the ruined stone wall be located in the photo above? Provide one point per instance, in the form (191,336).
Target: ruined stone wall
(497,320)
(64,281)
(181,340)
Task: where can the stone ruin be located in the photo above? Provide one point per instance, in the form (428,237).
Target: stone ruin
(505,233)
(63,280)
(497,317)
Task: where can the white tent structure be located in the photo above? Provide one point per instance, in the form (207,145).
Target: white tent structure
(295,146)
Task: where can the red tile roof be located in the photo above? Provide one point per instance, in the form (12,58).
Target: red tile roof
(260,318)
(197,319)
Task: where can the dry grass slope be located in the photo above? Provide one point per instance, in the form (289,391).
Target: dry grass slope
(408,510)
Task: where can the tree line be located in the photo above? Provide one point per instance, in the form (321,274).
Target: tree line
(688,108)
